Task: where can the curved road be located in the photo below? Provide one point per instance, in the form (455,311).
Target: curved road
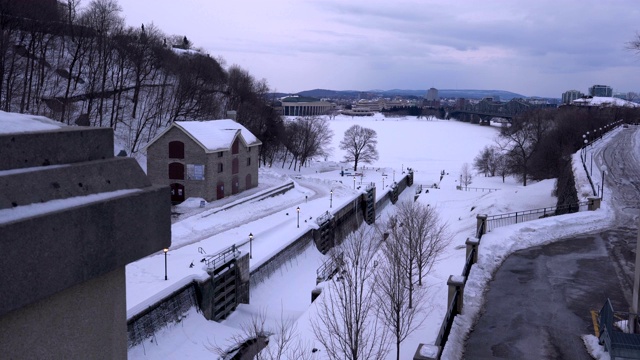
(540,300)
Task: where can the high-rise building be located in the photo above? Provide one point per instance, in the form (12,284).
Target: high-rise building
(570,95)
(601,90)
(432,95)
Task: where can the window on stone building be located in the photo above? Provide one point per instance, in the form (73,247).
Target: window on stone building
(176,171)
(176,150)
(248,161)
(195,172)
(235,146)
(235,166)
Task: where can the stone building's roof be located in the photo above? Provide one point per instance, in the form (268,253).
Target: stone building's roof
(214,135)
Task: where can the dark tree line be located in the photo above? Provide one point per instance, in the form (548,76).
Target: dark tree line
(538,144)
(84,66)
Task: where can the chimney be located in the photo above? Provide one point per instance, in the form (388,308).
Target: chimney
(231,114)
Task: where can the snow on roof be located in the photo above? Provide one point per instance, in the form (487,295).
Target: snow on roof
(217,134)
(605,101)
(11,123)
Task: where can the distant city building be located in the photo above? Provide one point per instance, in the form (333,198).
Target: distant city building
(569,96)
(304,106)
(431,99)
(601,90)
(432,94)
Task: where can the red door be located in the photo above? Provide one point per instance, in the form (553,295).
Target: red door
(177,193)
(235,185)
(220,190)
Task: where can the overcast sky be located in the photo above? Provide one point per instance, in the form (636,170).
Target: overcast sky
(535,48)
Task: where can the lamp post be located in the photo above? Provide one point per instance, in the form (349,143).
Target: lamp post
(588,136)
(250,245)
(383,183)
(604,171)
(298,209)
(601,133)
(354,183)
(331,198)
(584,150)
(165,262)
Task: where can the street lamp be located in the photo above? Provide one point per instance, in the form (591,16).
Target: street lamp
(165,262)
(298,209)
(331,198)
(250,245)
(383,183)
(354,183)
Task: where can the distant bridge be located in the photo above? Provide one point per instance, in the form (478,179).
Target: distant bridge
(487,109)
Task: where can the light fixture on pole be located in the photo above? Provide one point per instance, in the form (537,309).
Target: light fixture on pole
(165,263)
(250,245)
(383,183)
(331,198)
(298,209)
(354,183)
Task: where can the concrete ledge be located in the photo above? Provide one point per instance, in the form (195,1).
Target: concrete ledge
(62,146)
(41,184)
(43,255)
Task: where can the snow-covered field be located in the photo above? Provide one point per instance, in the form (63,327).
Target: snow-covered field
(426,145)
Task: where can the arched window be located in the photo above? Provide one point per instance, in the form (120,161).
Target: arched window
(235,146)
(235,166)
(235,185)
(176,150)
(176,171)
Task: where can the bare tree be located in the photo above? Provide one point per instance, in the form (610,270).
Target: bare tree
(346,323)
(276,342)
(466,176)
(392,291)
(486,161)
(417,239)
(523,139)
(360,144)
(306,138)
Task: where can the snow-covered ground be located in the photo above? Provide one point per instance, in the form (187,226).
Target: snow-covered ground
(426,145)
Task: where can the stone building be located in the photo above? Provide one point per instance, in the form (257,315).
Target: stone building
(72,216)
(206,159)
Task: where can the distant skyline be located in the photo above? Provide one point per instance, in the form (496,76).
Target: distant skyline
(535,48)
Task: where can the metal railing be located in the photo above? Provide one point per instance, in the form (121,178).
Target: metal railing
(476,189)
(221,258)
(447,323)
(495,221)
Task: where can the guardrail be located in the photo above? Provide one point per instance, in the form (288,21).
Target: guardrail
(221,258)
(476,189)
(495,221)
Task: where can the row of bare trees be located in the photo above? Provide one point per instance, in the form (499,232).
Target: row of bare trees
(377,298)
(82,65)
(536,144)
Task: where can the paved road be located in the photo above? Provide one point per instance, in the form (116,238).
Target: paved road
(540,301)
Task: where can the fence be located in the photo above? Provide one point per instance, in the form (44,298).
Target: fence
(476,189)
(485,224)
(495,221)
